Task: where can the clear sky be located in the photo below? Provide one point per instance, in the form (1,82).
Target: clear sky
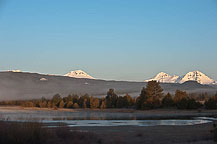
(109,39)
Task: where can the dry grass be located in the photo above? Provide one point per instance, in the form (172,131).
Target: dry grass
(35,133)
(214,131)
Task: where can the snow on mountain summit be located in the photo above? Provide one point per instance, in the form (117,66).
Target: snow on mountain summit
(78,74)
(191,76)
(197,76)
(14,70)
(164,78)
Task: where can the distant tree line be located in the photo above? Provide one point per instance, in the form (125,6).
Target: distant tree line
(151,97)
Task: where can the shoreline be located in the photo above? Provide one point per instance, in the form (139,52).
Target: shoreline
(159,134)
(106,114)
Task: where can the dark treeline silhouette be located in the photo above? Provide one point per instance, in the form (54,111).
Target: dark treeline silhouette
(151,97)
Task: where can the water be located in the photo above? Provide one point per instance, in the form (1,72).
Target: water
(95,118)
(79,123)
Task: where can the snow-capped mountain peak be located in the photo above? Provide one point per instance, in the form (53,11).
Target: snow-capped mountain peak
(164,78)
(197,76)
(78,74)
(191,76)
(14,70)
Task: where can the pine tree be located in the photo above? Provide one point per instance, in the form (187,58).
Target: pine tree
(103,105)
(61,104)
(168,101)
(154,90)
(69,104)
(56,99)
(215,97)
(141,99)
(154,94)
(94,103)
(180,95)
(120,102)
(43,104)
(150,96)
(111,99)
(84,105)
(49,105)
(127,101)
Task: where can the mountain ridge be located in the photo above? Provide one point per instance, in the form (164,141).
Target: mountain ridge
(161,77)
(190,76)
(25,85)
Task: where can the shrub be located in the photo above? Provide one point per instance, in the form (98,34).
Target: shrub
(75,106)
(182,104)
(23,133)
(188,103)
(211,104)
(36,133)
(192,104)
(214,132)
(28,104)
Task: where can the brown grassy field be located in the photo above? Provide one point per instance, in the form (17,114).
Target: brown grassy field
(37,133)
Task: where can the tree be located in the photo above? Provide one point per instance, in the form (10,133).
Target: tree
(84,105)
(75,98)
(61,104)
(103,104)
(94,103)
(56,99)
(120,102)
(180,95)
(111,99)
(28,104)
(150,96)
(168,101)
(75,106)
(215,97)
(154,90)
(141,99)
(68,98)
(211,103)
(193,104)
(49,104)
(69,104)
(82,101)
(127,101)
(188,103)
(182,103)
(43,104)
(154,94)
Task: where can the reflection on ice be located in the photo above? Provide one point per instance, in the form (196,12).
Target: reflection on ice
(96,118)
(80,123)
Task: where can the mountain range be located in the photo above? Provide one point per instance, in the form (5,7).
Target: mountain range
(16,85)
(161,77)
(190,76)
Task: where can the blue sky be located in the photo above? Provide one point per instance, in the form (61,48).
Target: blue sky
(109,39)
